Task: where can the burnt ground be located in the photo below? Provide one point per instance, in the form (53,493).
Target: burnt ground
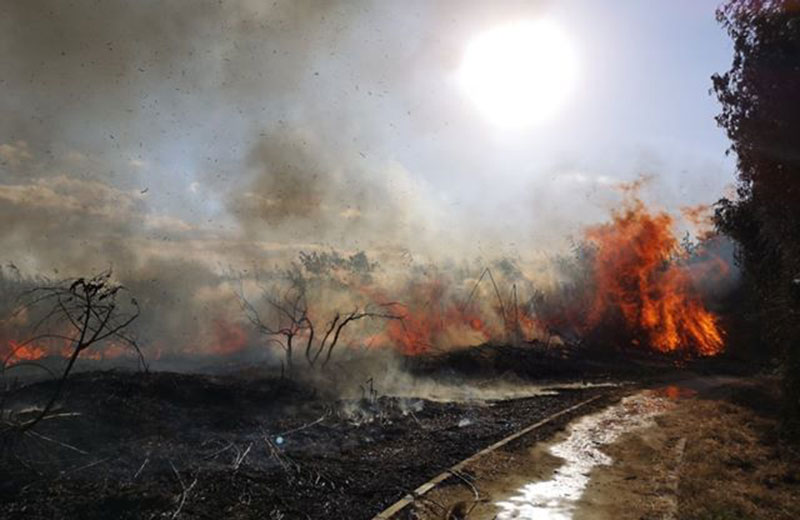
(127,444)
(136,445)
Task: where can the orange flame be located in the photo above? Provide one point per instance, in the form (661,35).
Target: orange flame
(109,351)
(699,216)
(230,337)
(635,275)
(29,352)
(432,319)
(16,352)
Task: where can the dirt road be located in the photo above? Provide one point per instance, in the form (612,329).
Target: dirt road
(692,449)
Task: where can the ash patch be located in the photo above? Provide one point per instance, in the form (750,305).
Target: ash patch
(152,445)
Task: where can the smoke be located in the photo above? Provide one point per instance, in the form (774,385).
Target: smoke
(79,71)
(193,145)
(296,188)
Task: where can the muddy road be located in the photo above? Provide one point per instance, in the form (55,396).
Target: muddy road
(701,447)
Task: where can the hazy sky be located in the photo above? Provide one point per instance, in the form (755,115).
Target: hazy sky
(181,142)
(203,127)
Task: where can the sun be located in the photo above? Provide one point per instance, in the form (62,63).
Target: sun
(519,74)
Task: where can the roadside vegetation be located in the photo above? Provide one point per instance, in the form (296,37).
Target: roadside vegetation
(734,466)
(761,115)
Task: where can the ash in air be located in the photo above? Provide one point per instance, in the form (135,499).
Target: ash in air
(218,157)
(296,258)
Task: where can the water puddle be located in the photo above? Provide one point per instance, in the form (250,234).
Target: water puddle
(555,499)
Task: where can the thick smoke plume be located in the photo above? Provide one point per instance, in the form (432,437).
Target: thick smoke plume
(197,148)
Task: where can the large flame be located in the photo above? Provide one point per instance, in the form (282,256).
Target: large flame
(635,274)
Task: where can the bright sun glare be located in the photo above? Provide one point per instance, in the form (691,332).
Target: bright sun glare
(519,74)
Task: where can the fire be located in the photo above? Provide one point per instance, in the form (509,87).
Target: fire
(421,330)
(432,319)
(230,337)
(110,351)
(529,326)
(636,276)
(24,352)
(16,352)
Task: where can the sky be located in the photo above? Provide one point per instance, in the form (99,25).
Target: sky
(190,136)
(190,112)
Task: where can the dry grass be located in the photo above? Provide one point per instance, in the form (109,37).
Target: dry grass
(735,467)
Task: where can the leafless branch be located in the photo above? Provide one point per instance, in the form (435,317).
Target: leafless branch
(185,490)
(90,307)
(291,321)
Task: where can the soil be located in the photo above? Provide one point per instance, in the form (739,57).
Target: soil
(710,452)
(169,445)
(731,463)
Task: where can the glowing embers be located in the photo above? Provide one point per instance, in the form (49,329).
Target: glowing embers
(636,274)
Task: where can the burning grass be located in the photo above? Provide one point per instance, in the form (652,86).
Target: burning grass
(161,437)
(632,285)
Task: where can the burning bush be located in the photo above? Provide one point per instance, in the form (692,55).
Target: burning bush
(639,289)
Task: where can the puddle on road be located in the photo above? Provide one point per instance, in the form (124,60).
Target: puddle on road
(555,499)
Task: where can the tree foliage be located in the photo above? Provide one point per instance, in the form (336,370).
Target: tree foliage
(760,97)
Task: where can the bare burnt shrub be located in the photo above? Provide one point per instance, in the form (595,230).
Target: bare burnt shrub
(294,312)
(74,315)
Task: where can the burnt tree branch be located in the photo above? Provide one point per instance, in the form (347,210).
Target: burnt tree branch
(90,308)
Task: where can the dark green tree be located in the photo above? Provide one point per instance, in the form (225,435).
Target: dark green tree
(760,97)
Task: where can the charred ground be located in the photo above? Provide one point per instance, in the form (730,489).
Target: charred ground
(163,444)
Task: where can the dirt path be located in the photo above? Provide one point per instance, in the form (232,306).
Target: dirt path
(688,450)
(550,479)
